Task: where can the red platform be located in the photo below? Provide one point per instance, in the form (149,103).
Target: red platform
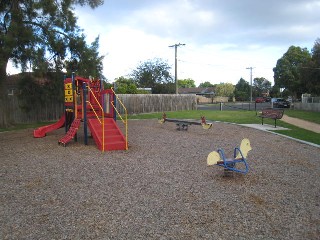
(113,137)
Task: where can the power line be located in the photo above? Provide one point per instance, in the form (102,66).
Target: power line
(175,63)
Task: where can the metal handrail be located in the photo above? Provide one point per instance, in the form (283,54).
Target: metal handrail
(75,104)
(125,122)
(102,113)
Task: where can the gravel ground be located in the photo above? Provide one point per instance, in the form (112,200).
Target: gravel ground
(160,188)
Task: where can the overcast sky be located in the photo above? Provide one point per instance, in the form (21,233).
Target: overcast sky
(222,37)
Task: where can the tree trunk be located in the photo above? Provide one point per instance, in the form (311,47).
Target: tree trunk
(5,116)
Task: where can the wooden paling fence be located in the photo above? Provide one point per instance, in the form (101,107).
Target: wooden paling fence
(45,112)
(135,103)
(148,103)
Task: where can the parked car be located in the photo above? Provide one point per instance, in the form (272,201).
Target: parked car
(260,100)
(280,103)
(267,99)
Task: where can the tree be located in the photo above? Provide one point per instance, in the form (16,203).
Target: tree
(311,72)
(225,90)
(39,34)
(288,71)
(186,83)
(154,74)
(242,90)
(85,60)
(260,86)
(206,85)
(125,85)
(35,91)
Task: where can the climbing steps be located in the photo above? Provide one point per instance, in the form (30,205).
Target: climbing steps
(71,132)
(113,137)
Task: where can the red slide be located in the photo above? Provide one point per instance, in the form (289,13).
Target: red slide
(41,131)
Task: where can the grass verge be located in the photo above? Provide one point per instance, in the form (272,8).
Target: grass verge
(245,117)
(240,117)
(305,115)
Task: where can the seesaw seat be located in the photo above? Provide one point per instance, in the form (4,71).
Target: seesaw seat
(236,164)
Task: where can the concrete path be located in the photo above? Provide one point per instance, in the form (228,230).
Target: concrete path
(264,127)
(314,127)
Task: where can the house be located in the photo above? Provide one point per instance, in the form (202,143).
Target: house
(205,92)
(204,95)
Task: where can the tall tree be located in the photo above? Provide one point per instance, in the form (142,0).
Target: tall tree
(242,90)
(206,85)
(225,90)
(30,31)
(311,72)
(260,86)
(125,85)
(85,60)
(287,73)
(154,74)
(186,83)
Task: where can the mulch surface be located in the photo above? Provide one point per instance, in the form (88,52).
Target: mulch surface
(161,188)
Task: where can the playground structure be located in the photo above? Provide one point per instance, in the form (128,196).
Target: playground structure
(236,164)
(86,101)
(183,124)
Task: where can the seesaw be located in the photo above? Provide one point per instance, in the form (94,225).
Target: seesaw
(183,124)
(236,164)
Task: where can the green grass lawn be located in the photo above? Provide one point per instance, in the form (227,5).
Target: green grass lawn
(225,116)
(246,117)
(240,117)
(305,115)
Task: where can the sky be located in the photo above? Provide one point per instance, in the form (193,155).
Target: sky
(222,37)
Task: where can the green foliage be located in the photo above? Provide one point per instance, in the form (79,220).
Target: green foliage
(125,86)
(206,85)
(288,71)
(85,59)
(36,92)
(311,72)
(242,90)
(40,35)
(30,93)
(91,3)
(260,86)
(154,74)
(107,85)
(225,90)
(275,91)
(186,83)
(298,71)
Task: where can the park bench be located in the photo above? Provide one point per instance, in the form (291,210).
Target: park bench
(271,113)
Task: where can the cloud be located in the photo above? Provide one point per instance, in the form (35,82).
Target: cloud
(222,37)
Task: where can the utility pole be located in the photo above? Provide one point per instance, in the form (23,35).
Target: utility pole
(176,63)
(250,82)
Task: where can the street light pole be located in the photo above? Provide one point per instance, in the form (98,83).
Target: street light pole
(176,63)
(250,82)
